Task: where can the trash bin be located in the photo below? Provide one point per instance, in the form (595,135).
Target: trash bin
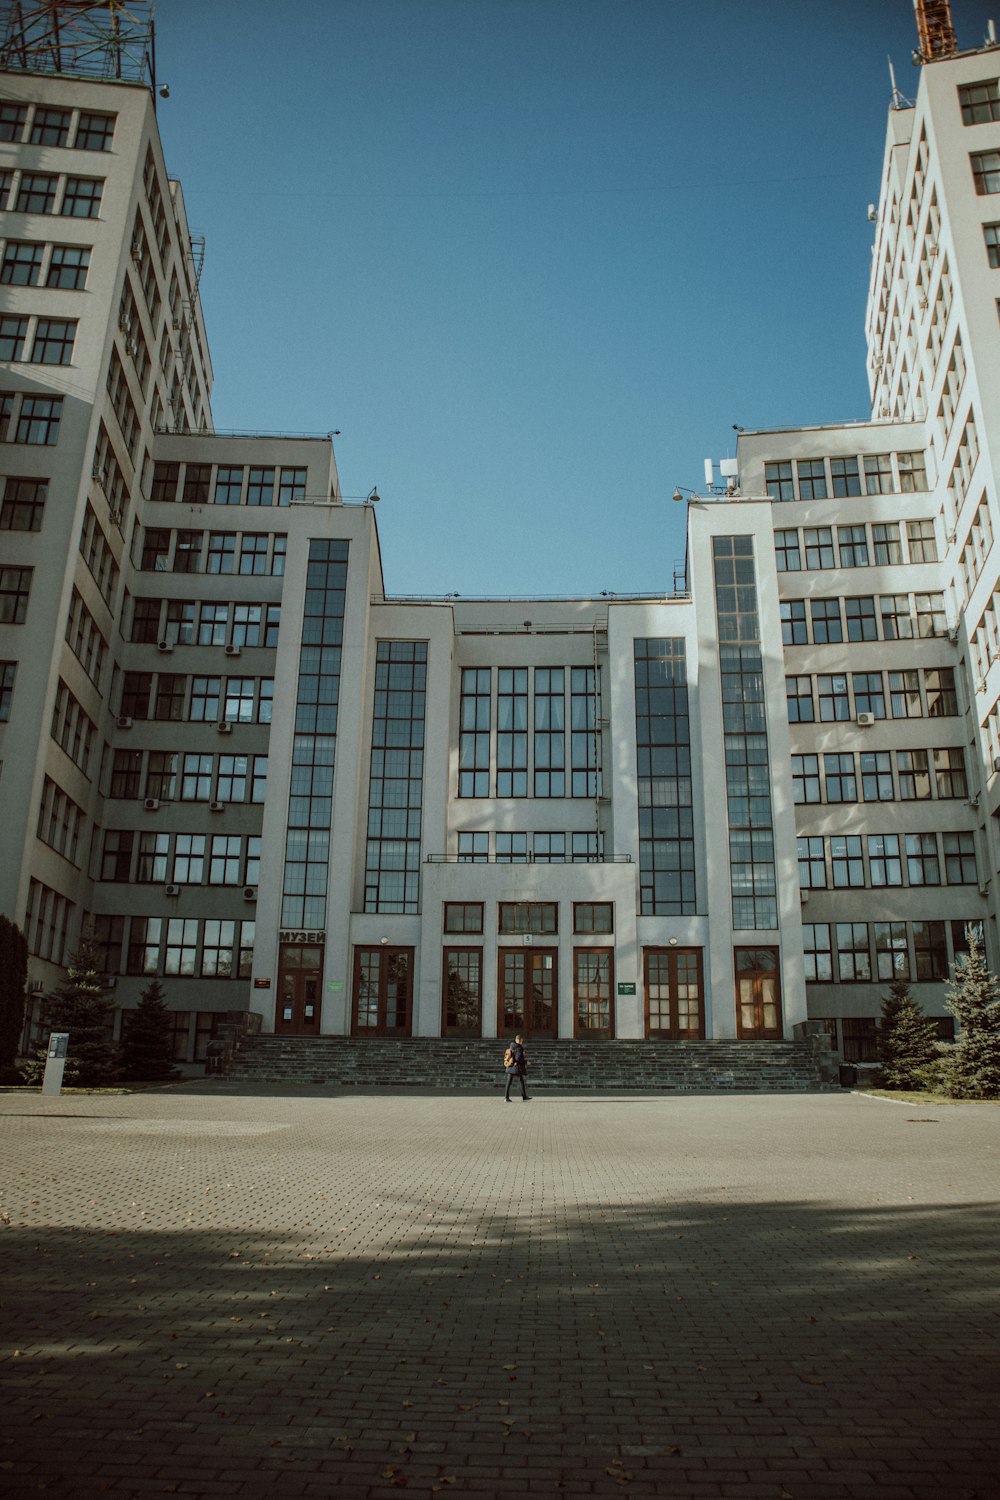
(848,1076)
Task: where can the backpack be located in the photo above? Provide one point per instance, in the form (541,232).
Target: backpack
(508,1058)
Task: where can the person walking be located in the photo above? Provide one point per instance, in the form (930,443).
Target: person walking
(516,1068)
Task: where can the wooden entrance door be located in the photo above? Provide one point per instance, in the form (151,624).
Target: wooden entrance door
(527,991)
(675,1005)
(593,989)
(383,991)
(461,996)
(300,975)
(758,994)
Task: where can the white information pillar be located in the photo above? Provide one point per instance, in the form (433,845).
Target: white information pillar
(55,1062)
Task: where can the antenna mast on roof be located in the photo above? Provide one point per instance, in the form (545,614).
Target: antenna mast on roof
(106,39)
(899,99)
(934,30)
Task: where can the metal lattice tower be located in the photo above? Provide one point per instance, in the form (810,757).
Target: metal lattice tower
(934,29)
(104,39)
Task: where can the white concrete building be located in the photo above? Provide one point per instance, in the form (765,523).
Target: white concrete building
(250,772)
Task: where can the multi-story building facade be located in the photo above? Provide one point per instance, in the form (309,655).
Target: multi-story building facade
(250,772)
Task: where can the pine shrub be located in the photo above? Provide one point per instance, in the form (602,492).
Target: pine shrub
(82,1006)
(147,1054)
(907,1039)
(974,1000)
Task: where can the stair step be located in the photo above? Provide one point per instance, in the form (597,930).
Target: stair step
(449,1062)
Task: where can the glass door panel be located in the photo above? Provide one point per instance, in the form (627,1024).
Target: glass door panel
(592,991)
(527,991)
(383,991)
(300,970)
(675,1009)
(758,994)
(462,1004)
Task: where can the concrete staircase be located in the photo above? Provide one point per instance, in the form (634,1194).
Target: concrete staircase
(430,1062)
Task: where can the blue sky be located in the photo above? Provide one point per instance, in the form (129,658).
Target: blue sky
(533,258)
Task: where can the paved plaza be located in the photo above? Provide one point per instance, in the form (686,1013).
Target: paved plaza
(210,1292)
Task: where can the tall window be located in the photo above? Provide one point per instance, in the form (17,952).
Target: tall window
(805,779)
(876,776)
(550,732)
(853,544)
(846,863)
(826,622)
(799,697)
(812,863)
(854,962)
(585,748)
(310,800)
(986,172)
(392,863)
(748,790)
(812,478)
(845,476)
(819,546)
(663,752)
(817,954)
(869,694)
(841,783)
(885,540)
(834,705)
(885,867)
(512,732)
(474,733)
(787,556)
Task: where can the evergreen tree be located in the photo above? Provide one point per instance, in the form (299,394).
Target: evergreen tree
(83,1006)
(148,1044)
(13,978)
(974,1001)
(907,1038)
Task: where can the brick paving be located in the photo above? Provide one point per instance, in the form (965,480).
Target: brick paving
(208,1292)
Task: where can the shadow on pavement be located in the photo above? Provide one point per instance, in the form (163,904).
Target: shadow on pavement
(669,1349)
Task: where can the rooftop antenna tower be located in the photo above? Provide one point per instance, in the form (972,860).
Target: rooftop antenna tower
(934,30)
(898,99)
(105,39)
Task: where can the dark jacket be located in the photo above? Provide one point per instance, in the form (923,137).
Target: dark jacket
(520,1064)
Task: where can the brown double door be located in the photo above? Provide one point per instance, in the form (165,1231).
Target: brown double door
(674,989)
(300,976)
(758,995)
(383,991)
(527,991)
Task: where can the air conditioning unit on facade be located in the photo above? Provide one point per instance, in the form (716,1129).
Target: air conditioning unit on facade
(249,893)
(216,807)
(866,720)
(171,890)
(152,804)
(165,646)
(233,650)
(953,635)
(124,722)
(224,726)
(984,889)
(974,800)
